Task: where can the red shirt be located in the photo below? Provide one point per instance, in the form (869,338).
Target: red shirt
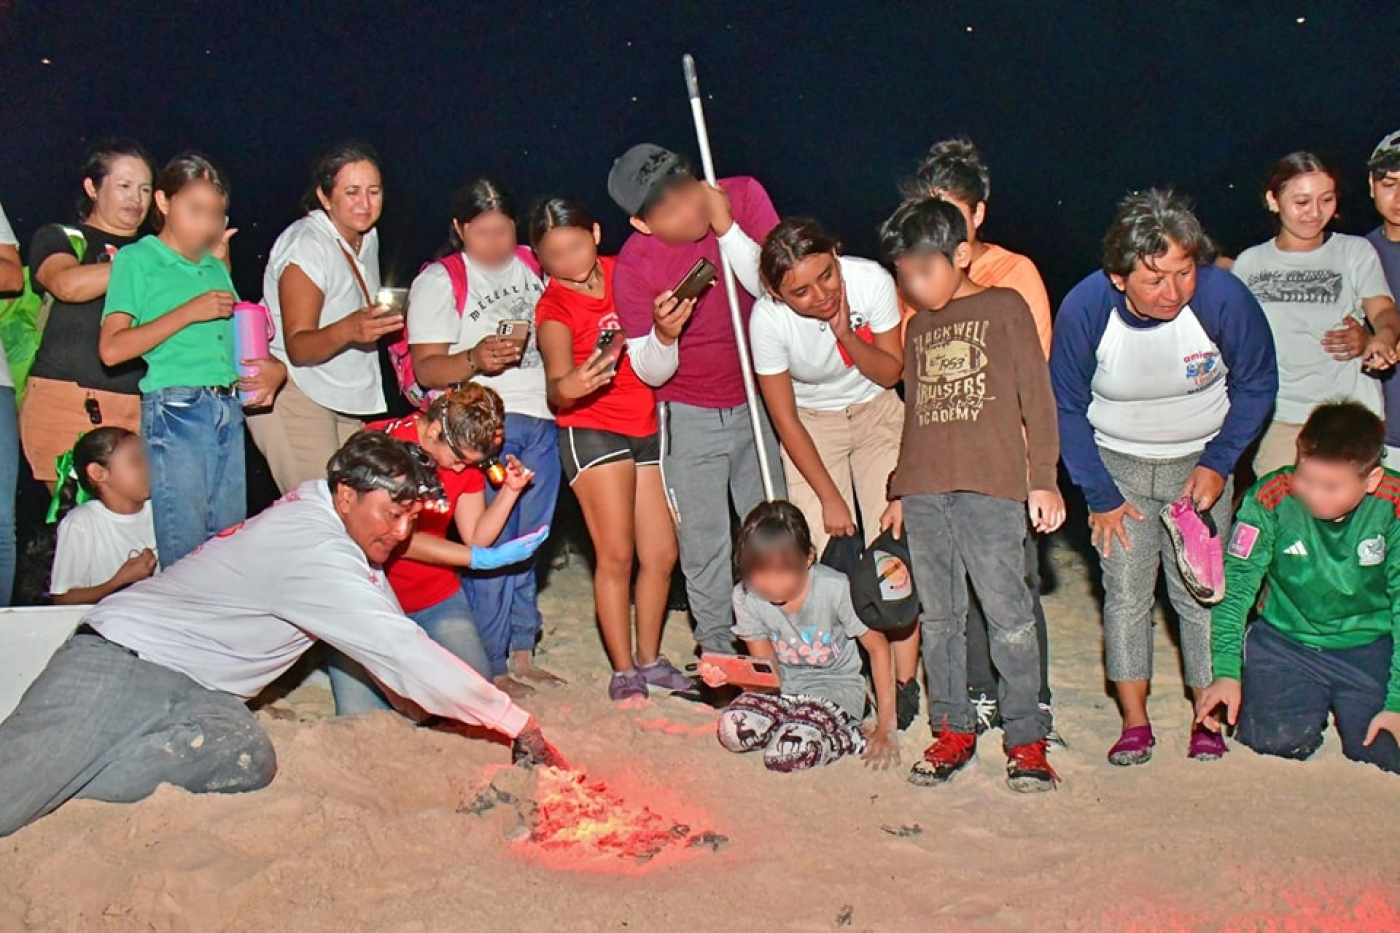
(709,375)
(419,585)
(624,406)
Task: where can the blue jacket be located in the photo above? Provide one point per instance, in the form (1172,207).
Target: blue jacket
(1231,318)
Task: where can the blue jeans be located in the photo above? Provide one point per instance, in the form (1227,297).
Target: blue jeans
(194,440)
(9,476)
(449,623)
(503,601)
(1288,690)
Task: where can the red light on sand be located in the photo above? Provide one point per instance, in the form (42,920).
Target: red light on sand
(564,821)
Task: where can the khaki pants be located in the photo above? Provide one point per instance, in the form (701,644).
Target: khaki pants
(859,447)
(298,437)
(1278,448)
(53,415)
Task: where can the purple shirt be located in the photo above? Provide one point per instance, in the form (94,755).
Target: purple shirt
(709,374)
(1390,384)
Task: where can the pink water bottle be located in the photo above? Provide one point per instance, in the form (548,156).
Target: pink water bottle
(252,329)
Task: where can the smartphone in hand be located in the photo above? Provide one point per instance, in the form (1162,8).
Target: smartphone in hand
(700,277)
(610,344)
(743,670)
(515,331)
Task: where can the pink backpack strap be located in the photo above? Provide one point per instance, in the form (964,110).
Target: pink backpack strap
(456,266)
(527,256)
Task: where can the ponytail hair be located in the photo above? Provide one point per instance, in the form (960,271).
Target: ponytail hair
(472,417)
(327,168)
(182,171)
(553,213)
(790,242)
(479,196)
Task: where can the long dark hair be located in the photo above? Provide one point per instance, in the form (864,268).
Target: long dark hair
(479,196)
(326,168)
(790,242)
(183,170)
(553,213)
(98,165)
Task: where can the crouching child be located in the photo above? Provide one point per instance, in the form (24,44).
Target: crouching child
(792,611)
(1323,540)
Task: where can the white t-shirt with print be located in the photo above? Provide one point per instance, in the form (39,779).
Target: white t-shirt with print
(1304,295)
(782,341)
(348,382)
(94,542)
(7,238)
(493,295)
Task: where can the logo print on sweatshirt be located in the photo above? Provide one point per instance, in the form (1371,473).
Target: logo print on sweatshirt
(1303,286)
(1371,552)
(1242,541)
(951,363)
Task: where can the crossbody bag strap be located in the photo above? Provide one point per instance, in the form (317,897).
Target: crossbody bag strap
(355,269)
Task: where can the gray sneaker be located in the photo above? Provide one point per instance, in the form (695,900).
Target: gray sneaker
(627,685)
(662,673)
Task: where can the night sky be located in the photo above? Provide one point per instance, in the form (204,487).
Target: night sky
(828,105)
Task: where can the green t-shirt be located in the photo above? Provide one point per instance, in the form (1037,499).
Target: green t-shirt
(1327,585)
(149,279)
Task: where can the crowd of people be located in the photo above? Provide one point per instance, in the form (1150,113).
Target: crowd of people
(925,396)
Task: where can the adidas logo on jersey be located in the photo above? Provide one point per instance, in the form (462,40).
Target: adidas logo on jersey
(1297,548)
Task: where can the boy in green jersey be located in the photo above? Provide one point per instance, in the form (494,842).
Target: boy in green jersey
(1323,538)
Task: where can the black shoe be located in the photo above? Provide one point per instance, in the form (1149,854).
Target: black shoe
(988,715)
(704,694)
(906,703)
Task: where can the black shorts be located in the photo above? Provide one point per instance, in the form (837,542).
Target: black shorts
(583,448)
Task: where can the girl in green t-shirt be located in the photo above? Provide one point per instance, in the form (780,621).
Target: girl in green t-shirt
(169,301)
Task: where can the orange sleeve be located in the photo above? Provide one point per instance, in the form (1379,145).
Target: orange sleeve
(1024,278)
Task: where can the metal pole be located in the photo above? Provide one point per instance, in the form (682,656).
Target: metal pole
(741,339)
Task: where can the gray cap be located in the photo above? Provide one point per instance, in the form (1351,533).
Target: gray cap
(636,174)
(1391,141)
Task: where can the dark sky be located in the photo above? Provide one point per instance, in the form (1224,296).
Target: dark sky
(828,104)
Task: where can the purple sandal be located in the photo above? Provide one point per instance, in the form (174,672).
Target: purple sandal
(1134,747)
(1207,746)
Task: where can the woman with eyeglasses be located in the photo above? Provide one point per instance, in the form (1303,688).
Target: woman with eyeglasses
(458,434)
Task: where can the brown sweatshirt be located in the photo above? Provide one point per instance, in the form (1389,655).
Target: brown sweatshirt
(979,413)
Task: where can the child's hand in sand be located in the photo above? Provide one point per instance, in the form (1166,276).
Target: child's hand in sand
(1223,691)
(881,748)
(711,674)
(1386,720)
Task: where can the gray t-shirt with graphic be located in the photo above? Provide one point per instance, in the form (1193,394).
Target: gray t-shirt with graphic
(816,648)
(1304,295)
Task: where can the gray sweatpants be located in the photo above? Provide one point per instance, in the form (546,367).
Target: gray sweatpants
(1130,576)
(959,537)
(102,724)
(708,458)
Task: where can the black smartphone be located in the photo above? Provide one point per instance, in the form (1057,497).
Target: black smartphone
(610,343)
(700,277)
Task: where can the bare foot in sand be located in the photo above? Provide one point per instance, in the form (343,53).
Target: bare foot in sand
(522,667)
(514,688)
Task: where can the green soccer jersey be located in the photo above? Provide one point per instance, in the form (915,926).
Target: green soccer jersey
(1328,585)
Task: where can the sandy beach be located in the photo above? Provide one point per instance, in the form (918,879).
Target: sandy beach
(367,826)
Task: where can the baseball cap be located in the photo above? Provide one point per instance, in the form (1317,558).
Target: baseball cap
(882,585)
(639,171)
(1390,144)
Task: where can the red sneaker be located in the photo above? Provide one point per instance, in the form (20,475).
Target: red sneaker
(949,754)
(1028,771)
